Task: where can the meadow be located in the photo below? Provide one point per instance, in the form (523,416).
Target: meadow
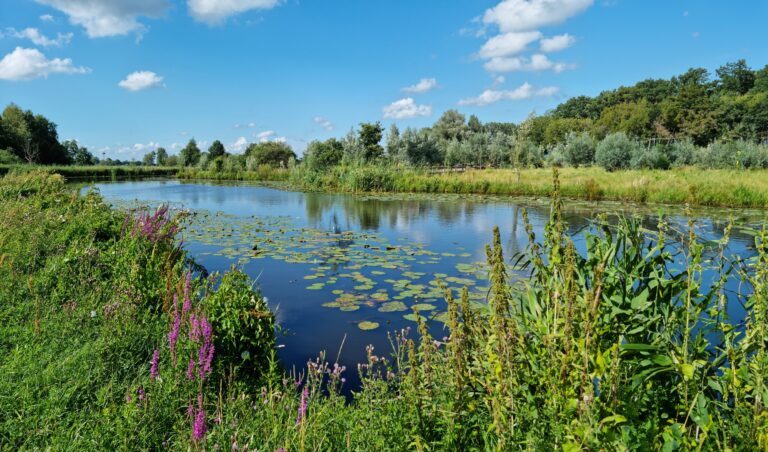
(113,338)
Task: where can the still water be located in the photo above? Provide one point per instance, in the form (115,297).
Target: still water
(348,269)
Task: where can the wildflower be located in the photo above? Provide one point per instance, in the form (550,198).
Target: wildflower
(128,398)
(199,428)
(191,369)
(302,406)
(141,393)
(187,301)
(153,368)
(173,335)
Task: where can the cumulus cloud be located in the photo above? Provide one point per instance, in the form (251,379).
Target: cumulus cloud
(423,86)
(47,18)
(535,63)
(557,43)
(524,91)
(406,108)
(524,15)
(239,145)
(37,38)
(108,17)
(508,44)
(26,64)
(216,11)
(141,80)
(324,122)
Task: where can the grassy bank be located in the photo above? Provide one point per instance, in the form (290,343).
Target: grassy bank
(71,172)
(262,173)
(694,186)
(110,343)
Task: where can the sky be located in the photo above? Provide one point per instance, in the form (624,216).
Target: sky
(125,76)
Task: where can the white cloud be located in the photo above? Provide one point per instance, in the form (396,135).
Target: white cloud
(523,15)
(406,108)
(269,135)
(324,122)
(423,86)
(508,44)
(239,145)
(535,63)
(557,43)
(524,91)
(26,64)
(108,17)
(37,38)
(216,11)
(249,125)
(47,18)
(140,80)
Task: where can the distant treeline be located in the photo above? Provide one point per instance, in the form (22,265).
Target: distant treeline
(690,119)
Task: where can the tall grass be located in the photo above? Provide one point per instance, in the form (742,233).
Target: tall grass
(693,186)
(72,172)
(110,343)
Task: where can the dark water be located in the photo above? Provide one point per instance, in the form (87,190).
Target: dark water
(365,254)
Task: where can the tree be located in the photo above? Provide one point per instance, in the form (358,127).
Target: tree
(450,126)
(78,155)
(419,148)
(162,156)
(216,150)
(323,154)
(273,153)
(736,77)
(190,155)
(149,159)
(579,149)
(370,137)
(393,140)
(633,118)
(616,151)
(474,125)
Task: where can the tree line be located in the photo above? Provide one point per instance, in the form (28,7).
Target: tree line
(690,119)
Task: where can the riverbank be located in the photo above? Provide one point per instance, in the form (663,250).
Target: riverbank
(691,186)
(95,172)
(112,343)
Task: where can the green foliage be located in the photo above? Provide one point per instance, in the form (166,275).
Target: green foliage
(190,155)
(32,138)
(616,151)
(8,158)
(370,138)
(579,149)
(323,154)
(216,150)
(272,153)
(162,157)
(78,155)
(244,325)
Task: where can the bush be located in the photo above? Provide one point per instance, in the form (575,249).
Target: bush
(681,153)
(653,158)
(244,326)
(8,158)
(579,149)
(615,151)
(733,154)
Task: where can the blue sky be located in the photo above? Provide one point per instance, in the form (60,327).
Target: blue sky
(123,76)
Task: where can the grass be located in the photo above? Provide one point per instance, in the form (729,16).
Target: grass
(110,343)
(72,172)
(693,186)
(262,173)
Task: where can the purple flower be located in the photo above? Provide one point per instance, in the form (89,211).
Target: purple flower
(199,428)
(187,302)
(302,406)
(141,393)
(153,368)
(194,328)
(173,335)
(191,369)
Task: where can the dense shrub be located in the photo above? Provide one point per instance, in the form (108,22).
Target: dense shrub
(653,158)
(616,151)
(579,149)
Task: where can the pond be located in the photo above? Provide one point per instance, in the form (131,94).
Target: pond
(343,270)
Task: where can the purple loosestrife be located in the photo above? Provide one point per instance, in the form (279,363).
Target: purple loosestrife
(205,353)
(303,403)
(153,373)
(187,306)
(199,428)
(191,369)
(173,335)
(194,328)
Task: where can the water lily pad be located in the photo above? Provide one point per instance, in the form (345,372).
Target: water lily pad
(423,307)
(393,306)
(365,325)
